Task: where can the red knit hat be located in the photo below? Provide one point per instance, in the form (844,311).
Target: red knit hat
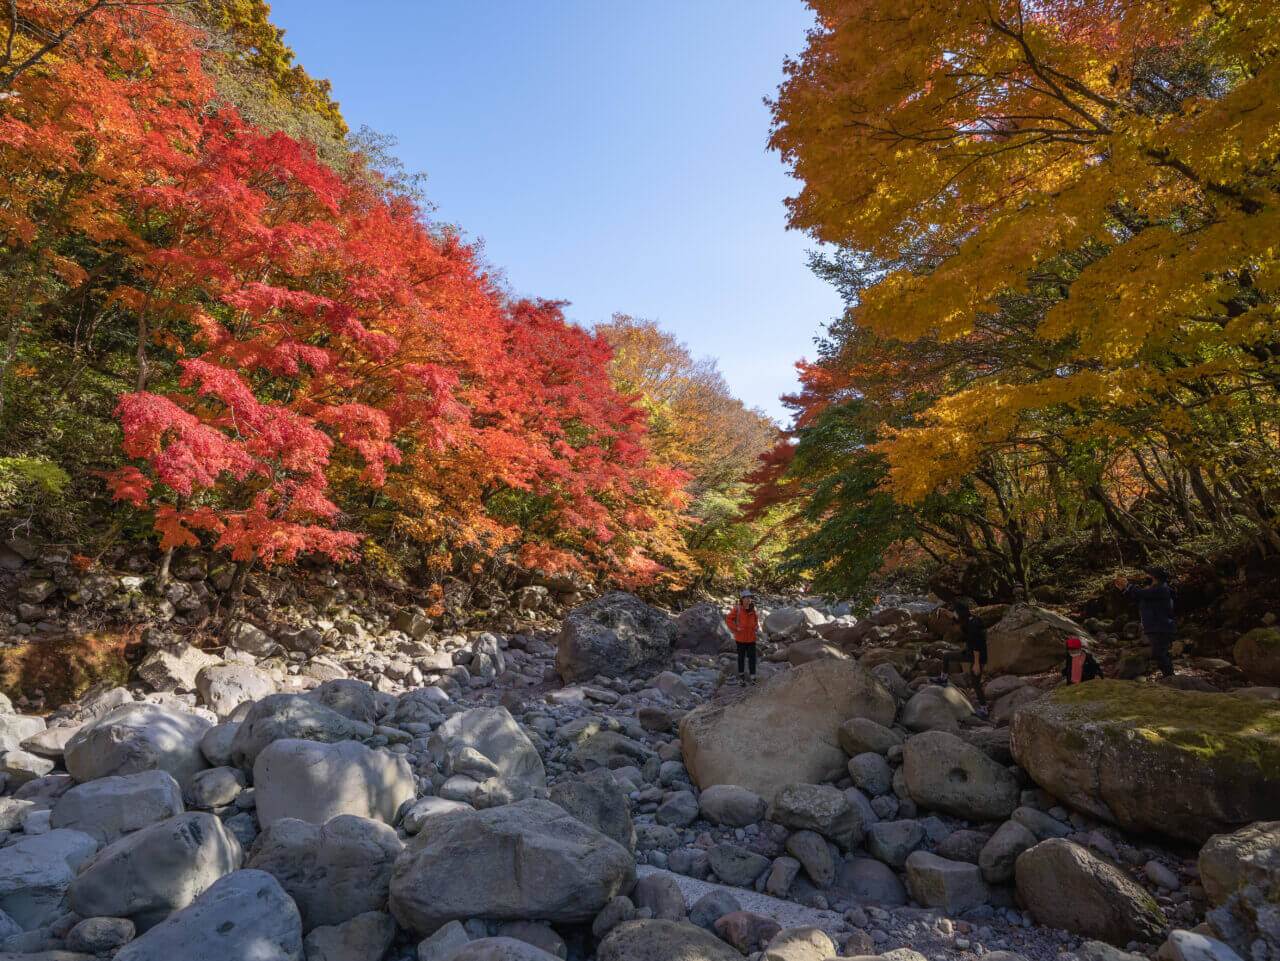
(1074,643)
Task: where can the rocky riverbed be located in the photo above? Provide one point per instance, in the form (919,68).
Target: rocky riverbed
(364,788)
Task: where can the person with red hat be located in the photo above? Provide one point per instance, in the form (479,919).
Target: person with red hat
(745,624)
(1081,665)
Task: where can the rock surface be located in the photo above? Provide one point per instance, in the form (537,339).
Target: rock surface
(613,634)
(317,782)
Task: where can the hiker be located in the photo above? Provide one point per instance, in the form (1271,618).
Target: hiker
(745,622)
(1081,665)
(974,656)
(1155,610)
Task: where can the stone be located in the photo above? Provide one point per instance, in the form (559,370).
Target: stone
(701,629)
(138,737)
(147,875)
(892,841)
(953,886)
(1240,873)
(860,735)
(351,698)
(539,935)
(100,935)
(428,807)
(712,906)
(657,940)
(174,668)
(781,876)
(492,859)
(52,742)
(820,808)
(417,707)
(246,637)
(944,773)
(1257,653)
(661,895)
(618,910)
(443,943)
(1029,640)
(793,622)
(366,937)
(215,787)
(290,717)
(612,635)
(1042,825)
(499,949)
(871,773)
(494,735)
(747,931)
(784,730)
(224,687)
(813,649)
(938,707)
(736,865)
(962,845)
(316,782)
(596,799)
(870,882)
(732,806)
(16,728)
(800,944)
(1192,946)
(36,871)
(1112,749)
(333,871)
(19,767)
(810,849)
(679,810)
(216,743)
(111,807)
(1065,886)
(245,915)
(1000,854)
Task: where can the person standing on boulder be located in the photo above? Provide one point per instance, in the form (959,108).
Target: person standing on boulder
(1155,610)
(1081,665)
(745,623)
(974,655)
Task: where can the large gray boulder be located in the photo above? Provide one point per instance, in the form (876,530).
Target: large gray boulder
(937,882)
(1064,886)
(332,871)
(349,697)
(366,937)
(511,863)
(731,805)
(316,782)
(281,717)
(36,871)
(224,687)
(138,737)
(1240,872)
(16,728)
(494,734)
(944,773)
(147,875)
(498,949)
(663,941)
(702,630)
(598,801)
(111,807)
(174,668)
(1030,639)
(784,730)
(820,808)
(245,916)
(612,635)
(1114,749)
(793,622)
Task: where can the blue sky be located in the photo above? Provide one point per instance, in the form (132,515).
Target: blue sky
(608,153)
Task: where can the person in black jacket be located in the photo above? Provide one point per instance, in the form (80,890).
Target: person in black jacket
(974,655)
(1155,610)
(1080,665)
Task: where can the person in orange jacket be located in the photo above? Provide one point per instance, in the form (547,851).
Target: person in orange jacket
(745,622)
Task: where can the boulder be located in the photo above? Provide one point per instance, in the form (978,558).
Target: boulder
(333,871)
(316,782)
(1241,877)
(1257,653)
(1114,748)
(735,865)
(1001,852)
(938,707)
(871,882)
(36,871)
(351,698)
(811,850)
(1192,946)
(730,805)
(224,687)
(784,730)
(800,944)
(510,863)
(813,649)
(1030,639)
(498,949)
(493,734)
(244,916)
(1064,886)
(746,930)
(953,886)
(598,801)
(612,635)
(366,937)
(892,841)
(820,808)
(174,668)
(659,893)
(290,716)
(138,737)
(663,941)
(793,622)
(859,735)
(701,629)
(944,773)
(216,786)
(111,807)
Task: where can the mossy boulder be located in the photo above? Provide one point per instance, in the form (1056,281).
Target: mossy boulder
(1258,654)
(1153,758)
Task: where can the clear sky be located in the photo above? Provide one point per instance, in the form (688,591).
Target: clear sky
(608,152)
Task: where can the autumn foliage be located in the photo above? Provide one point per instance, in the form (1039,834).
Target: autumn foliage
(298,361)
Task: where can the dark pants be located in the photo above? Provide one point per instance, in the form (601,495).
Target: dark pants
(747,656)
(1162,651)
(965,659)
